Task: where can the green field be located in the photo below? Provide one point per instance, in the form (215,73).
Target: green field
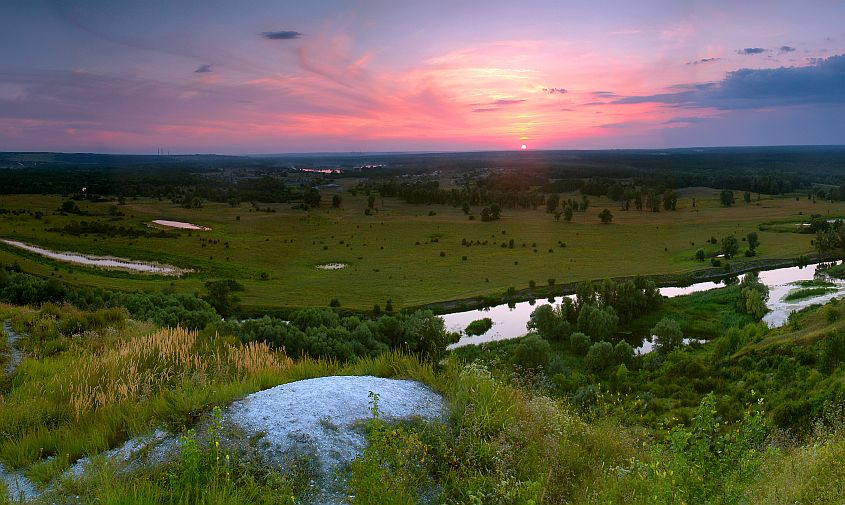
(402,252)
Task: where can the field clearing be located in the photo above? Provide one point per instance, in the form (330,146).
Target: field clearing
(401,252)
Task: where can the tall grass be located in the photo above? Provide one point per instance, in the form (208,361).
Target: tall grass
(142,367)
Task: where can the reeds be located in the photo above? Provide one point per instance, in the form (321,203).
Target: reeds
(136,369)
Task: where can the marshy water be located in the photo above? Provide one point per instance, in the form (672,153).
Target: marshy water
(106,262)
(509,321)
(332,266)
(179,224)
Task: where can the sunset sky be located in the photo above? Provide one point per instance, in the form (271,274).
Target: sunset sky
(276,76)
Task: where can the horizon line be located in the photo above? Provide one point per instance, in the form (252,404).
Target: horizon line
(435,151)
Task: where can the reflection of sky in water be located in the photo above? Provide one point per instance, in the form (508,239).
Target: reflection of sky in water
(511,322)
(97,261)
(781,282)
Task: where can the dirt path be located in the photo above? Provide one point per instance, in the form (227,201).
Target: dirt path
(15,354)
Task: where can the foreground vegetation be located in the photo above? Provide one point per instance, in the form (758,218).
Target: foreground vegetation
(751,416)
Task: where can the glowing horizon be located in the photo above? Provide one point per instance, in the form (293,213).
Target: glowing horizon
(376,76)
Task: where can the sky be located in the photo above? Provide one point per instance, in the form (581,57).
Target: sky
(283,76)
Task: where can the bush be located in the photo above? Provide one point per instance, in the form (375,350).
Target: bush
(479,326)
(600,357)
(624,353)
(579,343)
(533,351)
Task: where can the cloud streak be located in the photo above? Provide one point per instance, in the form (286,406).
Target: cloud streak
(281,35)
(703,60)
(204,69)
(750,51)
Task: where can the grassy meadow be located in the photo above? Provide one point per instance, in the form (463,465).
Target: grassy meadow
(412,255)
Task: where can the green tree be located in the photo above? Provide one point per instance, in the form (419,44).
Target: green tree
(699,255)
(70,207)
(599,323)
(551,203)
(567,213)
(311,197)
(753,240)
(336,201)
(221,295)
(624,352)
(606,216)
(667,335)
(549,323)
(726,197)
(670,200)
(495,212)
(753,296)
(730,246)
(747,197)
(600,357)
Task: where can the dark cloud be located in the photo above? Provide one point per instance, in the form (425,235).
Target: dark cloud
(786,49)
(703,60)
(819,83)
(750,51)
(202,69)
(508,101)
(282,35)
(552,91)
(604,94)
(486,109)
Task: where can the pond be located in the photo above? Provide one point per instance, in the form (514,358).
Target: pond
(105,262)
(180,225)
(509,321)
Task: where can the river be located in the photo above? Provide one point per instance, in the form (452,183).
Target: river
(509,321)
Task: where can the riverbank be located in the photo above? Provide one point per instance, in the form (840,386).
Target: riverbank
(712,274)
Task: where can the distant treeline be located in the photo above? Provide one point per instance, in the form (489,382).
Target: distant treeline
(179,184)
(110,230)
(509,179)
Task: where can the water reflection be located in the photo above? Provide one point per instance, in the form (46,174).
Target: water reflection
(510,320)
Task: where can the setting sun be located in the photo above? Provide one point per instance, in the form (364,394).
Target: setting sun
(524,147)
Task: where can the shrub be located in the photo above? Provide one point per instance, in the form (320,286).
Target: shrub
(479,326)
(533,351)
(580,343)
(600,357)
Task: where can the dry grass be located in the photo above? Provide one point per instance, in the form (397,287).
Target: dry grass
(139,368)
